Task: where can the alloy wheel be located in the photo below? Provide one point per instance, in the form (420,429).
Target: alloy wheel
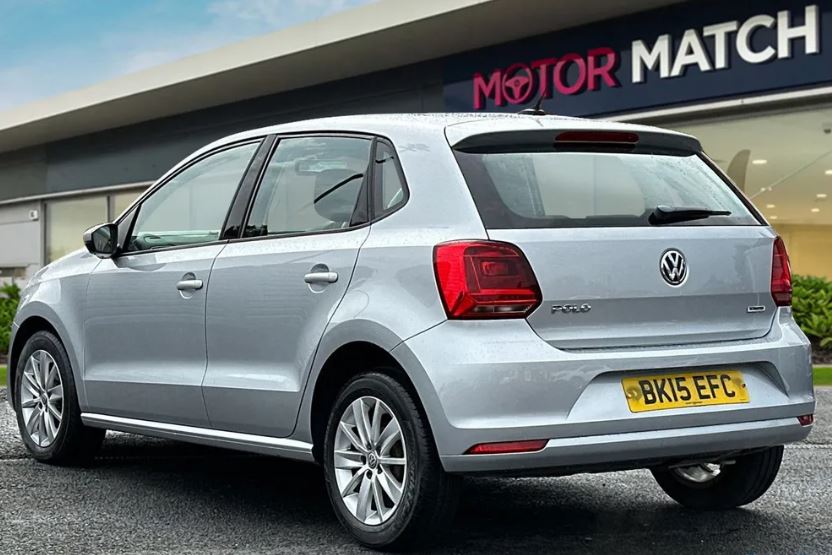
(370,460)
(42,398)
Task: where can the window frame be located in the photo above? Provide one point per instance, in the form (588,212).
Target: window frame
(376,186)
(127,221)
(365,195)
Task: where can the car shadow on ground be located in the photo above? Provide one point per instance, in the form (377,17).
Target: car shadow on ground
(498,515)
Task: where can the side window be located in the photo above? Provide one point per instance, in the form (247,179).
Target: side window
(389,191)
(310,184)
(191,208)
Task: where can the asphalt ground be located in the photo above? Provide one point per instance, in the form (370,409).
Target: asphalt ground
(147,495)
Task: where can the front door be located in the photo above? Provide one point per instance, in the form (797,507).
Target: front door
(145,350)
(274,291)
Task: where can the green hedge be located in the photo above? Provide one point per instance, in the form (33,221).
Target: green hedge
(812,305)
(9,297)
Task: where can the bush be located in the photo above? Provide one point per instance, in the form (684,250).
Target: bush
(812,306)
(8,306)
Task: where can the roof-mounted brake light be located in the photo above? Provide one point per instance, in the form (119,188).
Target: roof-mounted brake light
(596,137)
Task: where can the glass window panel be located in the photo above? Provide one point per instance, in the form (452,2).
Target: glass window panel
(310,184)
(191,208)
(392,189)
(66,221)
(549,188)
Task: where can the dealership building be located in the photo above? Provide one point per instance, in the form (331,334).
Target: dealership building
(752,80)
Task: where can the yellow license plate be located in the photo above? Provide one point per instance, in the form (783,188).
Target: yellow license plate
(688,389)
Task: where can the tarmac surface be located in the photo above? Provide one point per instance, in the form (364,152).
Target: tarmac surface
(147,495)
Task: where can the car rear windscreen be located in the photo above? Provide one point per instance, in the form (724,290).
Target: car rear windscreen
(548,187)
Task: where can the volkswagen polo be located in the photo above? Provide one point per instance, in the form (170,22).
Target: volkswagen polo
(405,299)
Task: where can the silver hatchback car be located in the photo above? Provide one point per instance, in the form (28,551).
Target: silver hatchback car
(405,299)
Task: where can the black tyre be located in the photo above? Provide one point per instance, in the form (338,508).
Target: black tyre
(383,474)
(722,486)
(46,404)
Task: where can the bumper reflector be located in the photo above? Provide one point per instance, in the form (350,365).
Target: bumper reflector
(504,447)
(806,420)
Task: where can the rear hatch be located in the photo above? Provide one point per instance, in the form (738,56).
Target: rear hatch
(635,238)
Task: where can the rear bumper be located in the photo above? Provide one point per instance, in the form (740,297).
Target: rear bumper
(496,381)
(677,443)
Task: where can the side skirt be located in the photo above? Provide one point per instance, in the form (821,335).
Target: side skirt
(282,447)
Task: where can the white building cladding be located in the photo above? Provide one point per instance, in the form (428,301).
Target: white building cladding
(753,80)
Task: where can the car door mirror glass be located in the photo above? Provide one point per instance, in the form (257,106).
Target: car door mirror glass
(102,240)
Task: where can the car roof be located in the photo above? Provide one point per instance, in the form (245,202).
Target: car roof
(456,126)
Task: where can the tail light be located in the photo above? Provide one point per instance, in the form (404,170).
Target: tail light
(485,279)
(781,275)
(806,419)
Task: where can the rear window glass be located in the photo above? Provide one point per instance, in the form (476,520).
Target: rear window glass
(552,188)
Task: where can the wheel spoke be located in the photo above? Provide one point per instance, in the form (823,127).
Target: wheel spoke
(37,430)
(31,423)
(392,460)
(51,375)
(43,364)
(375,426)
(378,497)
(51,409)
(50,427)
(388,437)
(28,403)
(355,441)
(36,372)
(350,486)
(362,424)
(56,393)
(365,495)
(391,486)
(31,383)
(348,459)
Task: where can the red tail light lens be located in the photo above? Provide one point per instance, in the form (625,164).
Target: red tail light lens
(504,447)
(781,275)
(806,419)
(485,279)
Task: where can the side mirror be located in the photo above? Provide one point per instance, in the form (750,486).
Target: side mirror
(102,240)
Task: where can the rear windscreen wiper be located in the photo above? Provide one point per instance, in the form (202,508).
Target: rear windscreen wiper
(664,214)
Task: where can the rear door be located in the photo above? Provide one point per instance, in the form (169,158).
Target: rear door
(613,270)
(274,290)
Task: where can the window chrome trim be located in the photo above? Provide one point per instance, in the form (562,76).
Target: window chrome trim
(284,447)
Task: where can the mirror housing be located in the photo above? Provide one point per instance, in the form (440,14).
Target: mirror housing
(102,240)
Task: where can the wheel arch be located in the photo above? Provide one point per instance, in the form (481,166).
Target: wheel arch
(340,367)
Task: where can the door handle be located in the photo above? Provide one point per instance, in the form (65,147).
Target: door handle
(320,277)
(189,284)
